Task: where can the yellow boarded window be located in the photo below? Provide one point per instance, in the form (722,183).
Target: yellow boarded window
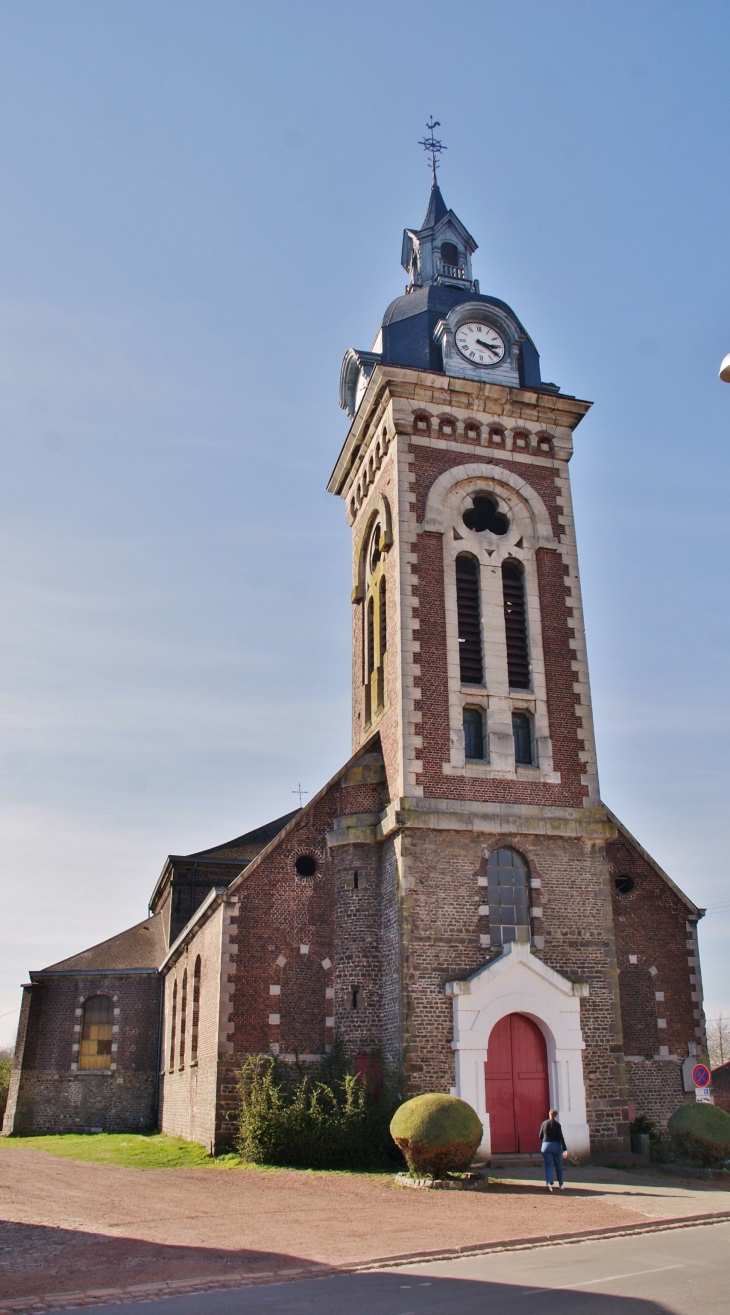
(96,1034)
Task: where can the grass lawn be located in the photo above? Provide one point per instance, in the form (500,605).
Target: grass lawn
(156,1151)
(132,1150)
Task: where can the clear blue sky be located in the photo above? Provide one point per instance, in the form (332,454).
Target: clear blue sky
(201,209)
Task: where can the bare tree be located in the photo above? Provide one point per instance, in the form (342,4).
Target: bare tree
(718,1040)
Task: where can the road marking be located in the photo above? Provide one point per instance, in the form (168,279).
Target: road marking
(590,1282)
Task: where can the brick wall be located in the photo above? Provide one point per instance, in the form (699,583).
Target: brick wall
(441,942)
(50,1096)
(659,978)
(190,1084)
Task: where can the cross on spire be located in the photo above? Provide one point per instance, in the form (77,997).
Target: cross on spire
(300,792)
(432,145)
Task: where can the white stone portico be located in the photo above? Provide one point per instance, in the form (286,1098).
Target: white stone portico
(519,983)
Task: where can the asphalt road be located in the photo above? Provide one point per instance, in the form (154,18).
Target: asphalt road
(682,1271)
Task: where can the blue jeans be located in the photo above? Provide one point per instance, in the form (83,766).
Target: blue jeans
(552,1154)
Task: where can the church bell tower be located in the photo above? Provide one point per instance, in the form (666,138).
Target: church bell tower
(511,938)
(468,647)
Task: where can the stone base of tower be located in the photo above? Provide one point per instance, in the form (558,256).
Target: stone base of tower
(562,973)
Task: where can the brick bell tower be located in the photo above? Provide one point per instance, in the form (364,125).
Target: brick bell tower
(496,933)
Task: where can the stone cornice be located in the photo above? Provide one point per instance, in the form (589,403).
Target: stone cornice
(513,819)
(447,393)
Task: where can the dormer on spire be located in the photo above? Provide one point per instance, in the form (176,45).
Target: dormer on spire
(440,251)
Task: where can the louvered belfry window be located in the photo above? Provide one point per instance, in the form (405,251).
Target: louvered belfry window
(515,624)
(470,624)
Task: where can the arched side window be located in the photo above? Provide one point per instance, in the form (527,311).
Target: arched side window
(449,255)
(469,617)
(173,1026)
(196,1013)
(522,732)
(473,733)
(375,637)
(183,1017)
(509,917)
(370,646)
(96,1033)
(515,624)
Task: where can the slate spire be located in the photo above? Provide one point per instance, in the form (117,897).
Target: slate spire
(436,207)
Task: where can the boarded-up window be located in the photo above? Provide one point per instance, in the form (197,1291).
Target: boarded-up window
(469,617)
(96,1033)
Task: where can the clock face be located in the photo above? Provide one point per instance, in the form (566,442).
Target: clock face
(479,344)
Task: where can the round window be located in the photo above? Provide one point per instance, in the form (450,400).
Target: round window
(305,865)
(624,885)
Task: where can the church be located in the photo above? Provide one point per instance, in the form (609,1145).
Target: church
(457,902)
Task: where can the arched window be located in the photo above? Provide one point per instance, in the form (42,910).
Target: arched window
(375,626)
(449,253)
(509,918)
(371,638)
(173,1026)
(183,1017)
(515,624)
(473,733)
(469,616)
(96,1033)
(522,732)
(196,1013)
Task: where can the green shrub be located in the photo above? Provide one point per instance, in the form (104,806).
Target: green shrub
(320,1118)
(4,1084)
(701,1132)
(437,1134)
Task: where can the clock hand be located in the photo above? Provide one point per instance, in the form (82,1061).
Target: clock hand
(488,345)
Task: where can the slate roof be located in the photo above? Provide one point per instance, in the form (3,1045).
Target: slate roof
(409,323)
(141,946)
(241,846)
(437,207)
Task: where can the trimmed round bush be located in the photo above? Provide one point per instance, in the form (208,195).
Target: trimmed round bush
(437,1134)
(701,1131)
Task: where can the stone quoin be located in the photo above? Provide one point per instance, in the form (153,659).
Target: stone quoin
(457,902)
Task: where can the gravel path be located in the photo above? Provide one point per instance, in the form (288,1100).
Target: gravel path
(70,1226)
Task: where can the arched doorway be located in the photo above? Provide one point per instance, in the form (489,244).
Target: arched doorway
(516,1078)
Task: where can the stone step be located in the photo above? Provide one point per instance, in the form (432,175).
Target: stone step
(515,1159)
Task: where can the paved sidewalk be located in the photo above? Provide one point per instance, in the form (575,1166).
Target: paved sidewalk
(71,1227)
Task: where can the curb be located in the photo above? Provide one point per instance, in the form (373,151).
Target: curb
(59,1301)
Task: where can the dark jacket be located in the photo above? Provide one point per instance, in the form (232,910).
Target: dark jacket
(552,1131)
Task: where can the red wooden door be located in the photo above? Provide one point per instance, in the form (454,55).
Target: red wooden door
(516,1078)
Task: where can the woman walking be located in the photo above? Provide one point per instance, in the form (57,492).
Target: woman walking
(554,1150)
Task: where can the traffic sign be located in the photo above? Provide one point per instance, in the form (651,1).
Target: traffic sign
(701,1075)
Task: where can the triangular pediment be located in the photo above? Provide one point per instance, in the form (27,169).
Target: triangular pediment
(514,959)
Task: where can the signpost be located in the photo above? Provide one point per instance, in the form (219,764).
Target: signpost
(697,1077)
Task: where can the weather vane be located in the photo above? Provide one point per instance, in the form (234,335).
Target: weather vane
(300,792)
(432,145)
